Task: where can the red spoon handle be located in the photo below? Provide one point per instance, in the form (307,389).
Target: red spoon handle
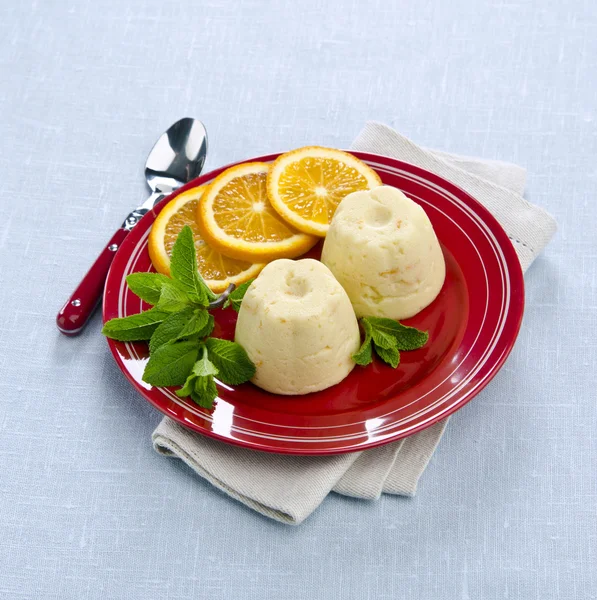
(80,306)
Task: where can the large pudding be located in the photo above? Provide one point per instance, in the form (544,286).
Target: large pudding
(298,327)
(382,249)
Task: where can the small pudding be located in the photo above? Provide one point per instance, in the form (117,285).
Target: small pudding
(382,249)
(298,327)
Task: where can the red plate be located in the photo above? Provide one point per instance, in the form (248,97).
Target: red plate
(472,327)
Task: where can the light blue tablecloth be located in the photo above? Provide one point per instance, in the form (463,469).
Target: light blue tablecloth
(508,506)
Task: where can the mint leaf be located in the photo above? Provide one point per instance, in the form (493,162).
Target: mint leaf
(202,390)
(148,286)
(233,364)
(411,338)
(364,355)
(186,323)
(236,297)
(204,367)
(380,337)
(200,385)
(183,267)
(134,327)
(208,327)
(205,392)
(170,329)
(391,356)
(172,298)
(188,387)
(407,338)
(171,364)
(197,324)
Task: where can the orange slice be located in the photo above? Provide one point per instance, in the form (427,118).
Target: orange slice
(218,270)
(306,185)
(236,217)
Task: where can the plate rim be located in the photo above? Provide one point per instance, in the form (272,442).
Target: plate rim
(515,278)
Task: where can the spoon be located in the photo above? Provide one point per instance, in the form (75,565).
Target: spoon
(177,157)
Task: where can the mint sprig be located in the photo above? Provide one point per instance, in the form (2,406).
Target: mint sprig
(178,327)
(387,337)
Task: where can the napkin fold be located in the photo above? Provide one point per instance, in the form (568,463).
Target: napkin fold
(289,488)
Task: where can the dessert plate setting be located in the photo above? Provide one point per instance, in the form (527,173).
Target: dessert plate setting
(472,325)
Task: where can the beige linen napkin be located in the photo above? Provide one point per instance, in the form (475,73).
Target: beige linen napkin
(290,488)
